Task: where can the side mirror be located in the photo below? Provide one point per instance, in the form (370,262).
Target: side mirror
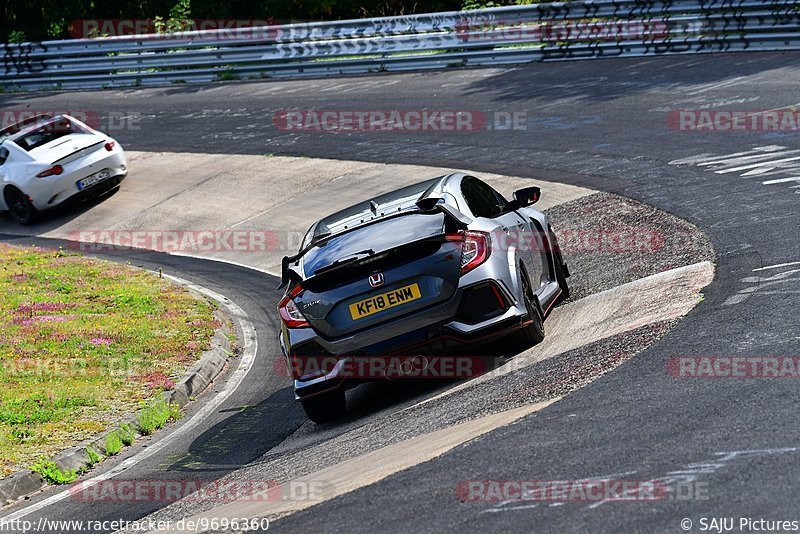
(527,196)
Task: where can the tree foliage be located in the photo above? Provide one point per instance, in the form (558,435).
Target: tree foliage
(39,20)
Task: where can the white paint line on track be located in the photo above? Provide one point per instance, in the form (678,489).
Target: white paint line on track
(759,286)
(732,162)
(261,213)
(250,348)
(778,266)
(771,164)
(782,180)
(718,85)
(712,159)
(759,162)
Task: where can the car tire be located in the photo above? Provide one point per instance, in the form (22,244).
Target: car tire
(19,206)
(561,270)
(533,333)
(325,407)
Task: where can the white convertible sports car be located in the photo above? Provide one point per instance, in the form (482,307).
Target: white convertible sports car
(46,161)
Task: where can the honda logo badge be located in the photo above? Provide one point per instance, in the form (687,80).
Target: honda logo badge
(376,279)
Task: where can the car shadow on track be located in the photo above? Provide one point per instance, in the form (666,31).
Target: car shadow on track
(244,436)
(376,397)
(383,397)
(47,221)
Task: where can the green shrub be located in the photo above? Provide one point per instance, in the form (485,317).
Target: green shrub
(226,76)
(126,434)
(156,414)
(113,443)
(16,36)
(94,456)
(52,473)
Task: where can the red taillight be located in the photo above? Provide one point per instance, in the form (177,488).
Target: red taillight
(289,312)
(475,248)
(55,170)
(110,145)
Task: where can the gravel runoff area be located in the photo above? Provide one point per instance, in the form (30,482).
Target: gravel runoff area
(667,242)
(608,240)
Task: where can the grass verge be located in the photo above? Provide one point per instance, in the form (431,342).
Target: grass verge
(84,343)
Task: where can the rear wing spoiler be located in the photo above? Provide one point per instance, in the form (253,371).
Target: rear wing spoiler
(425,204)
(432,203)
(287,274)
(89,148)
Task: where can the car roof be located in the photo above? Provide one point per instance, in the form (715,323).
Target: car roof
(22,127)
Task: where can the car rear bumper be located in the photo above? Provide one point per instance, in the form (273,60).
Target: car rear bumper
(54,191)
(95,190)
(453,329)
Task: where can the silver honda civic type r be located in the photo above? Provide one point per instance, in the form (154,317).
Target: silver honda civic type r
(392,284)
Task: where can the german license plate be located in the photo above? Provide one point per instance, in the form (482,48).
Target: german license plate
(93,179)
(384,301)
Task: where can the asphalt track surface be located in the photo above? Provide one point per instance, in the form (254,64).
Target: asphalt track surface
(601,124)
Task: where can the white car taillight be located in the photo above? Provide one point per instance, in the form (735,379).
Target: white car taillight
(290,314)
(110,145)
(475,248)
(55,170)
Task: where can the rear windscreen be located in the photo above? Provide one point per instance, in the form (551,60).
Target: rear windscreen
(48,133)
(376,237)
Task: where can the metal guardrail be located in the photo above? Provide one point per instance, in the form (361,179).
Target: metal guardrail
(508,35)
